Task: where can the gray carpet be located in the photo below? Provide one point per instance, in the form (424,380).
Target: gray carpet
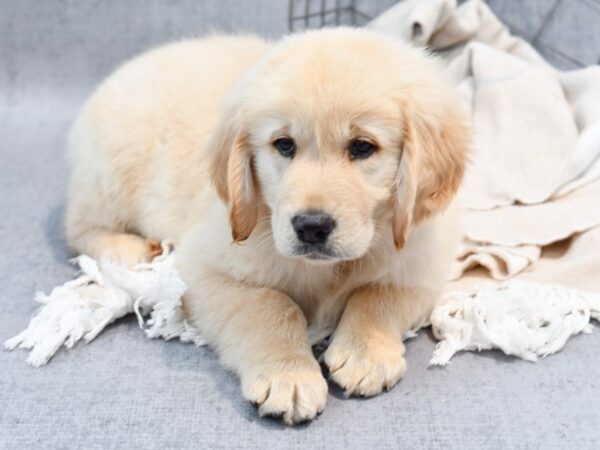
(124,391)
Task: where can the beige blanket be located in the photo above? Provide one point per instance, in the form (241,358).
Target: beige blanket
(533,186)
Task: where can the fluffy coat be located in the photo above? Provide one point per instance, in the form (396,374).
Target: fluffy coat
(178,144)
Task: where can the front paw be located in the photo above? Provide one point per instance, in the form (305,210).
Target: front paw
(365,365)
(292,389)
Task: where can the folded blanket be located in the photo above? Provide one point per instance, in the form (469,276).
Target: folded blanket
(534,179)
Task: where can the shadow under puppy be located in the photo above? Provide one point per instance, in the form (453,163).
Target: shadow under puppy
(306,185)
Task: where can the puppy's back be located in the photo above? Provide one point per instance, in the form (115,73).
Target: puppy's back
(136,150)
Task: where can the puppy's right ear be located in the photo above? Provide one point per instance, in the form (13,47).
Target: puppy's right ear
(232,174)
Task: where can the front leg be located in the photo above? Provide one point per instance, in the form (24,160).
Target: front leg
(261,334)
(366,354)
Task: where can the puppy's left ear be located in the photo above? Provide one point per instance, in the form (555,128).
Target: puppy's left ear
(233,175)
(437,139)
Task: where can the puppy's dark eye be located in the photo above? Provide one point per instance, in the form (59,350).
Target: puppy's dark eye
(285,146)
(360,149)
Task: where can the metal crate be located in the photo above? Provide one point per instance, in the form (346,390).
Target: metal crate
(305,14)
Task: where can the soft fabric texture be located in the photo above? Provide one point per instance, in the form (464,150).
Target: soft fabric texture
(535,173)
(527,320)
(102,293)
(123,390)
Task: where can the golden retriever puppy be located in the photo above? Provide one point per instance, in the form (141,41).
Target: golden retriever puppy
(305,185)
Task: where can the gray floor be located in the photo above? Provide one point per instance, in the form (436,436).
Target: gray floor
(123,391)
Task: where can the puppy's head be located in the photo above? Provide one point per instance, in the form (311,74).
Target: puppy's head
(343,134)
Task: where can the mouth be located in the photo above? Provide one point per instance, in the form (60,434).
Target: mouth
(316,253)
(314,256)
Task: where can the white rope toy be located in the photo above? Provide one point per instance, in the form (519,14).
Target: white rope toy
(527,320)
(103,293)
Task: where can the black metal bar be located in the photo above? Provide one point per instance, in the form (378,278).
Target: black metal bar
(323,13)
(306,14)
(328,11)
(362,14)
(291,14)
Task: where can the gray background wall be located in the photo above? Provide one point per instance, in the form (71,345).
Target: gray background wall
(46,45)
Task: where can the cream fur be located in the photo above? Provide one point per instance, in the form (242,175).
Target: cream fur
(148,142)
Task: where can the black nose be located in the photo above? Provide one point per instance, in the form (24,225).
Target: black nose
(313,227)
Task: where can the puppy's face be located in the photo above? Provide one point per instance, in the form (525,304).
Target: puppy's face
(328,132)
(325,159)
